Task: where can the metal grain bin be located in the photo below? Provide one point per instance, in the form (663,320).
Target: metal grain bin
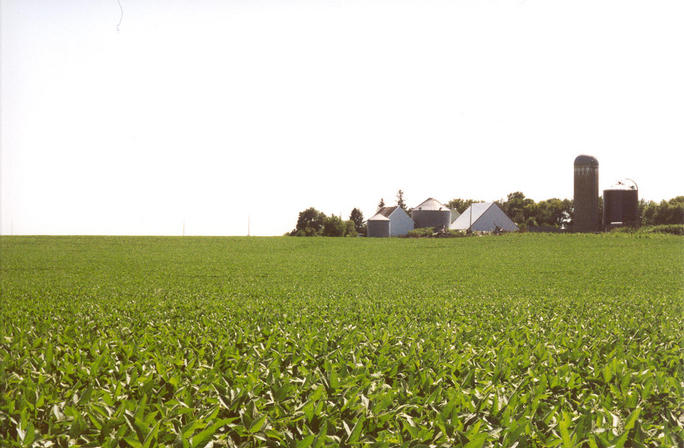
(586,197)
(431,213)
(621,205)
(378,226)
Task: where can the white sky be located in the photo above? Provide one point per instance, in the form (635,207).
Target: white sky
(207,112)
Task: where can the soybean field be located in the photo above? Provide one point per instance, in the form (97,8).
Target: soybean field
(521,340)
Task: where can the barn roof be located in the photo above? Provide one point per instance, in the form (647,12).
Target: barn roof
(431,204)
(387,211)
(483,216)
(466,218)
(379,217)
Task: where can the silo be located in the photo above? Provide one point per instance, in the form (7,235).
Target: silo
(586,198)
(431,213)
(378,226)
(621,205)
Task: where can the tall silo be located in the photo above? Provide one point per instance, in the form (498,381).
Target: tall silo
(586,198)
(431,213)
(621,205)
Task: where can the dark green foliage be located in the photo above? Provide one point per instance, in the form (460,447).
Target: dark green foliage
(520,209)
(548,213)
(309,223)
(453,233)
(357,218)
(334,226)
(460,205)
(522,340)
(666,212)
(350,229)
(421,232)
(553,212)
(674,229)
(400,201)
(525,212)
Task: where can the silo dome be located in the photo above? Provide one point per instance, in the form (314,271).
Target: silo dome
(431,213)
(585,160)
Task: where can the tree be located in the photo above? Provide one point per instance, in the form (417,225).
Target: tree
(350,228)
(519,208)
(665,212)
(381,204)
(357,218)
(333,226)
(309,223)
(460,205)
(400,200)
(553,212)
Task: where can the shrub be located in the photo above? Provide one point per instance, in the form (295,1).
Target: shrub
(674,229)
(422,232)
(453,233)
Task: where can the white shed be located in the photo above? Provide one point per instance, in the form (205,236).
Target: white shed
(389,221)
(483,217)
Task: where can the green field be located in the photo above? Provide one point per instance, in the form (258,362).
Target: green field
(518,340)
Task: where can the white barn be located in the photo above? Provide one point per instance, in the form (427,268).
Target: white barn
(483,217)
(389,221)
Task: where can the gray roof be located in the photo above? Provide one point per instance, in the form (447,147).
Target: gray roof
(623,184)
(465,219)
(431,204)
(488,213)
(386,211)
(378,217)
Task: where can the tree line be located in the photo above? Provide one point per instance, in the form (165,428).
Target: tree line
(312,222)
(559,213)
(524,211)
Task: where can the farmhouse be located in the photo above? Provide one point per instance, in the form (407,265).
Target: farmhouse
(483,217)
(389,221)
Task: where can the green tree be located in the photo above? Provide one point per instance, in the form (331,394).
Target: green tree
(553,212)
(309,223)
(669,212)
(333,226)
(460,205)
(357,218)
(519,208)
(400,200)
(350,228)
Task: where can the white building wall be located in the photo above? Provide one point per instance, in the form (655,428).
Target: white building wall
(400,223)
(492,218)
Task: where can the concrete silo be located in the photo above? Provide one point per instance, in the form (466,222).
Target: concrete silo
(431,213)
(586,198)
(621,205)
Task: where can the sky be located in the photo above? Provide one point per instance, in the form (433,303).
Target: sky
(219,117)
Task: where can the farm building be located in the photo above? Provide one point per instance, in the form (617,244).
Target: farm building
(431,213)
(586,198)
(483,217)
(389,221)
